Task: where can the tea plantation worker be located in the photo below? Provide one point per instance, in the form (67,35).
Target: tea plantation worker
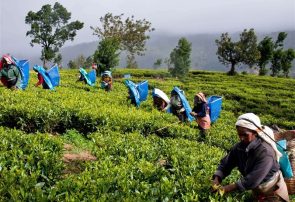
(82,77)
(88,78)
(9,73)
(180,106)
(40,78)
(107,80)
(160,100)
(201,113)
(256,157)
(137,93)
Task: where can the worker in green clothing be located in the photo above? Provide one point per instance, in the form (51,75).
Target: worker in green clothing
(9,74)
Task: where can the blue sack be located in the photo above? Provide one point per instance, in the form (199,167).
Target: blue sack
(45,76)
(138,92)
(285,164)
(54,76)
(214,104)
(185,103)
(24,68)
(92,76)
(143,90)
(89,77)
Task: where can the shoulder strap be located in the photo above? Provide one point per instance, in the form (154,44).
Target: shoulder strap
(264,132)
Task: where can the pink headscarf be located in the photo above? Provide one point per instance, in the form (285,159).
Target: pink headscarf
(201,96)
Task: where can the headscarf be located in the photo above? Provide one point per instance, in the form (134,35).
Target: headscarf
(158,93)
(201,96)
(252,122)
(8,59)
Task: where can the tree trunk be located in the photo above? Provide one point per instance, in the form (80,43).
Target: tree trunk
(262,71)
(232,69)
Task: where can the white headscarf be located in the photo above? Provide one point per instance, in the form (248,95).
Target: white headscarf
(161,94)
(252,122)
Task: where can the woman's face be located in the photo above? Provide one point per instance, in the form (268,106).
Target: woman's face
(159,103)
(106,78)
(197,101)
(246,135)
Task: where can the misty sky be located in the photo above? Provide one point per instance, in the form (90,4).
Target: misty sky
(167,16)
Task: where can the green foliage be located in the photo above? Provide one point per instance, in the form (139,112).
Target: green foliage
(243,51)
(50,29)
(80,61)
(107,56)
(131,62)
(248,45)
(282,61)
(158,63)
(29,165)
(288,57)
(58,60)
(137,160)
(180,58)
(265,47)
(276,62)
(130,33)
(72,65)
(228,52)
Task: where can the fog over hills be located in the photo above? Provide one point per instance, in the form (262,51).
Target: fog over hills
(160,45)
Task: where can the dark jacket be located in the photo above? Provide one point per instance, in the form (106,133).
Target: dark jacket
(201,109)
(256,162)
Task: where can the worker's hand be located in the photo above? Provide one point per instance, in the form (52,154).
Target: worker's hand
(193,113)
(215,181)
(218,189)
(229,188)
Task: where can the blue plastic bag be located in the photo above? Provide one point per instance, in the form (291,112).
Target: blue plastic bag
(214,104)
(54,76)
(285,164)
(89,77)
(184,102)
(24,68)
(47,80)
(138,92)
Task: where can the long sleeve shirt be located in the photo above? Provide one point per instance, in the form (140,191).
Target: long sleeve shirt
(11,75)
(256,162)
(200,109)
(40,80)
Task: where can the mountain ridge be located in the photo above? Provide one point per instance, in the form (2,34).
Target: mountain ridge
(160,45)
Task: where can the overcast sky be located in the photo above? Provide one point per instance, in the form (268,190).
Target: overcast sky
(168,16)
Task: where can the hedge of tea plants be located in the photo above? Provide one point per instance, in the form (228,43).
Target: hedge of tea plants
(141,154)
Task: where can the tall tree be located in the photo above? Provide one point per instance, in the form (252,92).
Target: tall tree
(280,40)
(58,60)
(243,51)
(72,65)
(248,45)
(107,56)
(180,58)
(157,63)
(288,57)
(88,61)
(131,33)
(228,52)
(276,62)
(282,59)
(266,48)
(50,28)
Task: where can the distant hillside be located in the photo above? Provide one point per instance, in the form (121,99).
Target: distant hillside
(160,45)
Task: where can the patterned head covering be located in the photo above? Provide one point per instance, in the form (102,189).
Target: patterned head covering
(8,59)
(201,97)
